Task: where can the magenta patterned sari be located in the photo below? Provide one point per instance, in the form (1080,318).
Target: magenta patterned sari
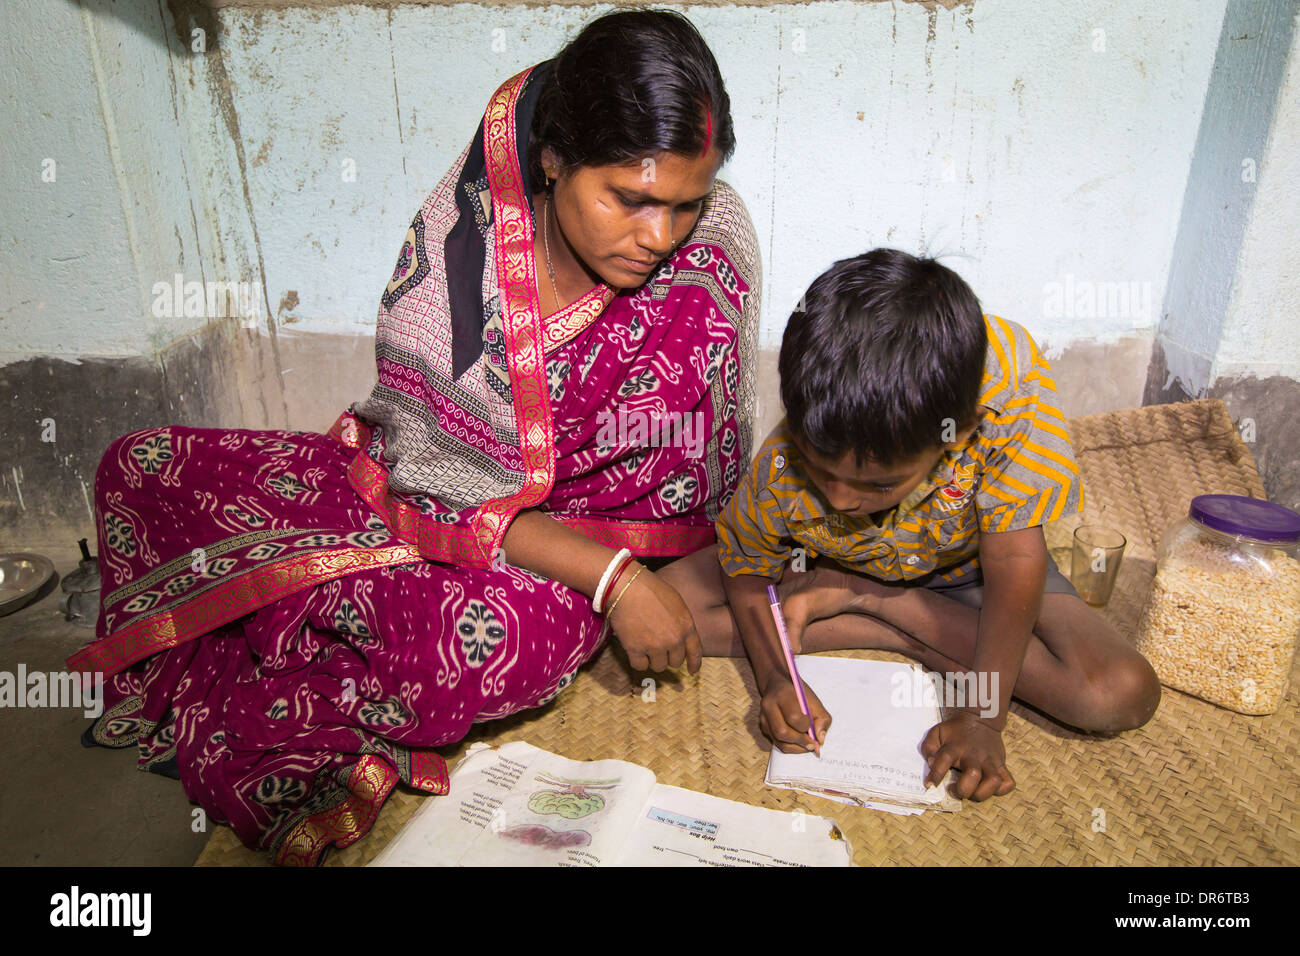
(292,621)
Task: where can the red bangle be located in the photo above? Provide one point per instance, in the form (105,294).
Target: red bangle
(619,573)
(610,613)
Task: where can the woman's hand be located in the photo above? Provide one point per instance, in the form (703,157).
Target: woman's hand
(650,619)
(652,623)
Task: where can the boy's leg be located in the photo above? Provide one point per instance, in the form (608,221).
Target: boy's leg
(1077,668)
(697,578)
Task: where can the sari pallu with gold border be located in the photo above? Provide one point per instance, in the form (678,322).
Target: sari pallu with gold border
(289,629)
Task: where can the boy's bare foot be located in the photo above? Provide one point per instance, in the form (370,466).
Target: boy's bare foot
(826,590)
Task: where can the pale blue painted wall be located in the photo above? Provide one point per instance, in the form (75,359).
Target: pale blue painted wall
(68,284)
(1232,294)
(1008,133)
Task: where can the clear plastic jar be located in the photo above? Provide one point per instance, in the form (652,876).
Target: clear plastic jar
(1223,615)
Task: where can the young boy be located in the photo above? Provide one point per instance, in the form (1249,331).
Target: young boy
(921,453)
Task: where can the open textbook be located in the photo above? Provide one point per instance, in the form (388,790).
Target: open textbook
(880,712)
(521,806)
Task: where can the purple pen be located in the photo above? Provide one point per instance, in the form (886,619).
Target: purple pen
(777,616)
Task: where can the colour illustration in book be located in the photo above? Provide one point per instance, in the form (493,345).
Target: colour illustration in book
(571,799)
(520,806)
(540,835)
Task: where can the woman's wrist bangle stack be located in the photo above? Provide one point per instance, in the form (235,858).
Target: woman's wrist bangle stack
(610,612)
(612,570)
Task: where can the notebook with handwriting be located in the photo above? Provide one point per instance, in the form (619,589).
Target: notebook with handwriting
(880,712)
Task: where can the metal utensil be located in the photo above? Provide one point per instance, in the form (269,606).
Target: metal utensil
(22,575)
(80,603)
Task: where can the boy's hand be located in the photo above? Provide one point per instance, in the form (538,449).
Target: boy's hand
(975,748)
(781,720)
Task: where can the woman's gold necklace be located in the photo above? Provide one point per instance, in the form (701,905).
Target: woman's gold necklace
(546,242)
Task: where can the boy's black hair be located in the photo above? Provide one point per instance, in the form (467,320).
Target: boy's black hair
(883,350)
(632,83)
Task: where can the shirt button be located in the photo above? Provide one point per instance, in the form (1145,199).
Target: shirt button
(913,559)
(779,461)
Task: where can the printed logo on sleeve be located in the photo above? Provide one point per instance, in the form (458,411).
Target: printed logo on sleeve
(954,496)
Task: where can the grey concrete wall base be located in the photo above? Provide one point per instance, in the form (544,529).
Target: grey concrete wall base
(61,417)
(1267,413)
(227,376)
(63,414)
(1161,387)
(1096,377)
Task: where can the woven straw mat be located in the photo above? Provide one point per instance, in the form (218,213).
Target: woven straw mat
(1197,785)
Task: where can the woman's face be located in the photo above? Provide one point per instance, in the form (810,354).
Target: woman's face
(621,222)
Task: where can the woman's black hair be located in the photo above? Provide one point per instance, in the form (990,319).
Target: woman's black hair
(884,358)
(633,83)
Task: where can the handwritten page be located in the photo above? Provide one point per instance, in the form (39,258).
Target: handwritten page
(872,752)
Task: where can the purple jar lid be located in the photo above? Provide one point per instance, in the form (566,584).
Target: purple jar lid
(1246,517)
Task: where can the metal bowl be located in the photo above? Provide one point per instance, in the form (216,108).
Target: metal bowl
(22,575)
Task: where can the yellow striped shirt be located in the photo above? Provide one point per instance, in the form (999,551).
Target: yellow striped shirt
(1016,470)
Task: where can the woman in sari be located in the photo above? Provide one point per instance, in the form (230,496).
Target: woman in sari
(291,621)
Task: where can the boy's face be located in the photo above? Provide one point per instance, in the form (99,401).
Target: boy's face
(861,490)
